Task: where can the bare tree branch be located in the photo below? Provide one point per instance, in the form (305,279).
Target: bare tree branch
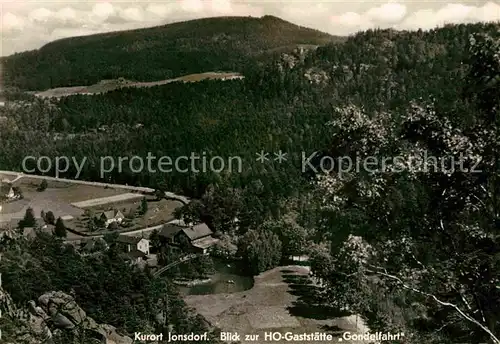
(443,303)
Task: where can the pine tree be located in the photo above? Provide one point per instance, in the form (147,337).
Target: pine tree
(144,206)
(60,229)
(29,219)
(154,238)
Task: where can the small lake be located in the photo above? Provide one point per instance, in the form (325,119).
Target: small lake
(226,271)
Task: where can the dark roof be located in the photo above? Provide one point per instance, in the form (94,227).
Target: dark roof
(197,231)
(169,230)
(128,239)
(110,214)
(205,242)
(134,254)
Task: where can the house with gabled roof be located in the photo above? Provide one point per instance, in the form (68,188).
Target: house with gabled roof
(131,244)
(111,216)
(169,232)
(135,257)
(195,238)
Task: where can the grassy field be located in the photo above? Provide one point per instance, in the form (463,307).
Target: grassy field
(59,196)
(56,198)
(158,212)
(105,201)
(283,300)
(65,192)
(114,84)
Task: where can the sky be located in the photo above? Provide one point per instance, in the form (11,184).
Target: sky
(29,24)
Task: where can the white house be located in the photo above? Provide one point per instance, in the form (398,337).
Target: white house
(111,216)
(131,244)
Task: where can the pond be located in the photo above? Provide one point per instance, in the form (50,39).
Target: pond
(226,271)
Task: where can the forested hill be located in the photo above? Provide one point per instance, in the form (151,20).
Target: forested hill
(385,69)
(163,52)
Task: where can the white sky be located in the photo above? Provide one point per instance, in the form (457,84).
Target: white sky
(28,24)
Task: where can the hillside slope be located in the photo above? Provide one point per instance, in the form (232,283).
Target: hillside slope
(163,52)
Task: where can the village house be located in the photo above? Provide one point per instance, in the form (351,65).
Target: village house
(132,244)
(197,238)
(111,216)
(135,257)
(135,250)
(168,232)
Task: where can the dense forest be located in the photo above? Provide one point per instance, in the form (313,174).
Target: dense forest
(164,52)
(412,251)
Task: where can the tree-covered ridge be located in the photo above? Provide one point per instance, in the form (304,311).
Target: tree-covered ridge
(158,53)
(383,69)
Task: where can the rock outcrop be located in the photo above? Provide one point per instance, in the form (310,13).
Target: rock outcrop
(296,57)
(62,309)
(316,76)
(25,325)
(55,314)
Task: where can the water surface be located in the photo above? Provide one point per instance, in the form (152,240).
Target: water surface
(226,271)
